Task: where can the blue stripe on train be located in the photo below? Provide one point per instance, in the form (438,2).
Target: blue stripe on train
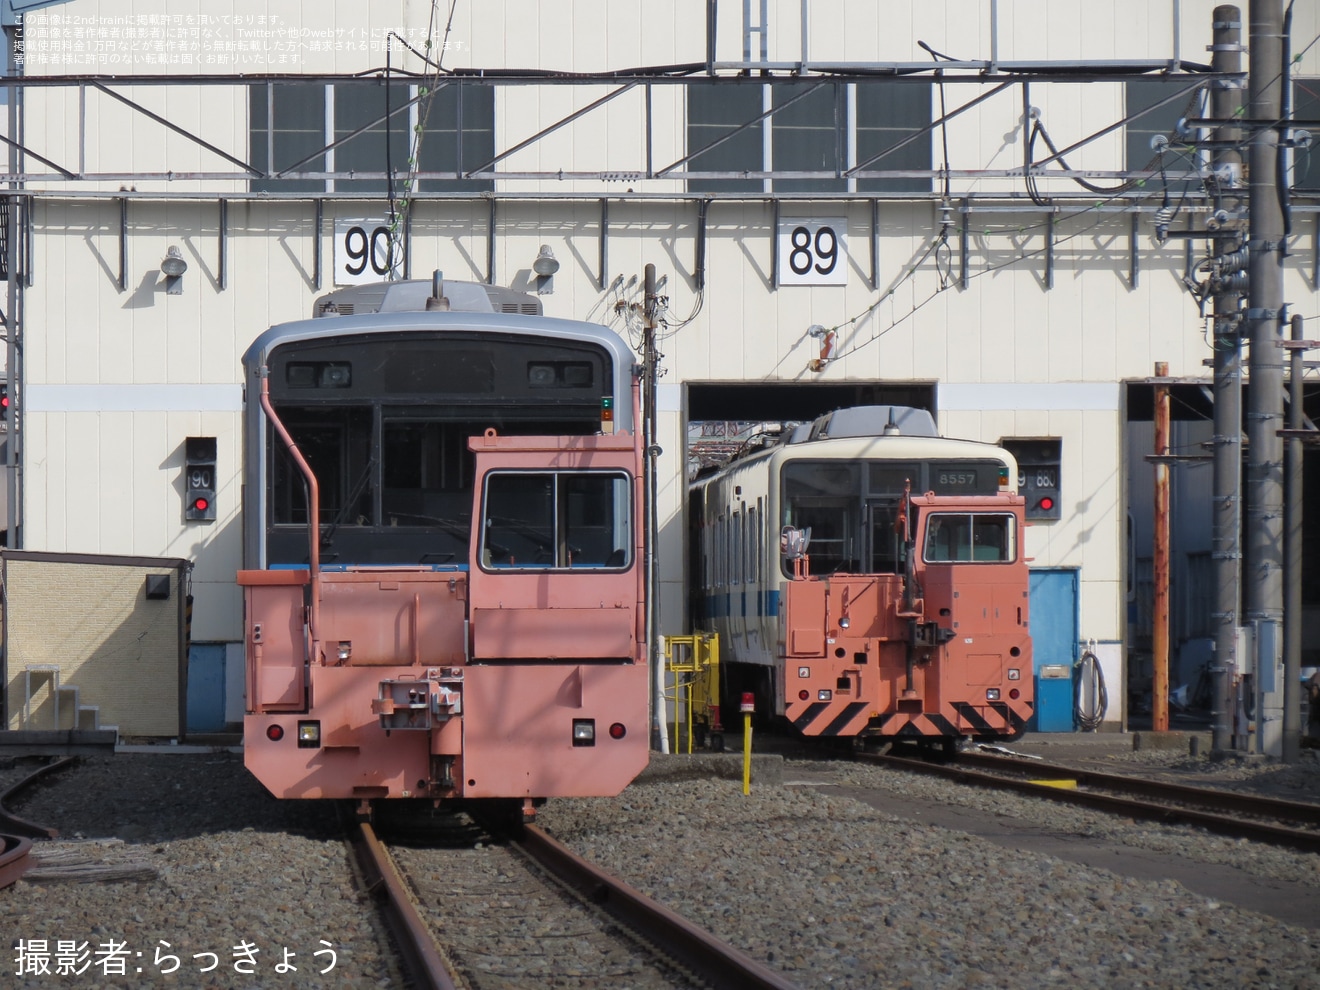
(720,605)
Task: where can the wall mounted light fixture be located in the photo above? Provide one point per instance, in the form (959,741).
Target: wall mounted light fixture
(173,268)
(545,267)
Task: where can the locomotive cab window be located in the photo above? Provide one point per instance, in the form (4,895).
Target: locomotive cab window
(988,538)
(556,520)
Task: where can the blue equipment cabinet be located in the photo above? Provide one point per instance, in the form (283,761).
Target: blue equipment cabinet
(1054,698)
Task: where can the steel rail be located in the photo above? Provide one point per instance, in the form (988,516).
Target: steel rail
(1233,827)
(706,956)
(1299,812)
(15,844)
(426,967)
(12,823)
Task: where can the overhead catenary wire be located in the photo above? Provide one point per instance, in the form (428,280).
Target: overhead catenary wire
(934,246)
(399,212)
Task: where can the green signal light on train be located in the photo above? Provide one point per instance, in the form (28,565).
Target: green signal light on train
(607,409)
(1003,477)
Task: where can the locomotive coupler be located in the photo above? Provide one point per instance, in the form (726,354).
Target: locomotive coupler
(932,634)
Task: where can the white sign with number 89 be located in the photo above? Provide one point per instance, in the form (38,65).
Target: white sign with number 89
(365,251)
(813,252)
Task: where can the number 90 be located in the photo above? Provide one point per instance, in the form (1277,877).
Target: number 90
(376,250)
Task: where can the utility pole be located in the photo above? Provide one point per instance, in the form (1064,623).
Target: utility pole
(1226,524)
(1264,476)
(1292,557)
(1160,620)
(13,302)
(651,450)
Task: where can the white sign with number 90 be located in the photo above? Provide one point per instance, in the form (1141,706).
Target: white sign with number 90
(364,251)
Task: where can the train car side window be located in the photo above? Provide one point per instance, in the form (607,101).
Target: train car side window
(988,538)
(556,520)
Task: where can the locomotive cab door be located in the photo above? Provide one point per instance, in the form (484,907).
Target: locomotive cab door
(555,688)
(555,549)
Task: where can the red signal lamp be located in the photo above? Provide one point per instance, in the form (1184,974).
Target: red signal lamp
(1046,504)
(201,504)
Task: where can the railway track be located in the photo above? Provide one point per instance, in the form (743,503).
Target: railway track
(469,909)
(1231,813)
(16,833)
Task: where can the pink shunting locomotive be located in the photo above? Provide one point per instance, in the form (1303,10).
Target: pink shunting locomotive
(443,593)
(868,581)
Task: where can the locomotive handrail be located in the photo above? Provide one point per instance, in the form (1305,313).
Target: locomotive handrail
(313,513)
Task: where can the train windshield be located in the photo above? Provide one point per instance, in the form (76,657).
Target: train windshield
(384,421)
(976,537)
(853,508)
(556,520)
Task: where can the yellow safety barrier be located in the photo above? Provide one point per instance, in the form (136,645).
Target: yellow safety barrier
(694,664)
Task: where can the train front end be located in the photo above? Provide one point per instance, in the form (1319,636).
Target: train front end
(444,600)
(937,652)
(515,679)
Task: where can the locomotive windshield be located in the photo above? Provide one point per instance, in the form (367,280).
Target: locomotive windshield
(979,537)
(556,519)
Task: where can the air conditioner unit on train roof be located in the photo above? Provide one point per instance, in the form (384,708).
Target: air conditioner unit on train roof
(869,421)
(410,296)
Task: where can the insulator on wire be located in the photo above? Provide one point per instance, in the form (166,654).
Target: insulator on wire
(1230,282)
(1233,261)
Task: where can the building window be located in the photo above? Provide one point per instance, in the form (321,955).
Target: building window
(297,130)
(885,116)
(1142,127)
(363,106)
(307,119)
(459,114)
(1306,161)
(713,111)
(807,135)
(808,132)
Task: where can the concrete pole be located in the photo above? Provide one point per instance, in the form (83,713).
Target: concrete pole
(1226,100)
(1264,487)
(1160,633)
(1292,558)
(13,306)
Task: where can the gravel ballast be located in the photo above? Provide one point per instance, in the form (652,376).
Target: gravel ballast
(831,891)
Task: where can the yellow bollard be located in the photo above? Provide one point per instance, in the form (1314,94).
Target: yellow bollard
(748,706)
